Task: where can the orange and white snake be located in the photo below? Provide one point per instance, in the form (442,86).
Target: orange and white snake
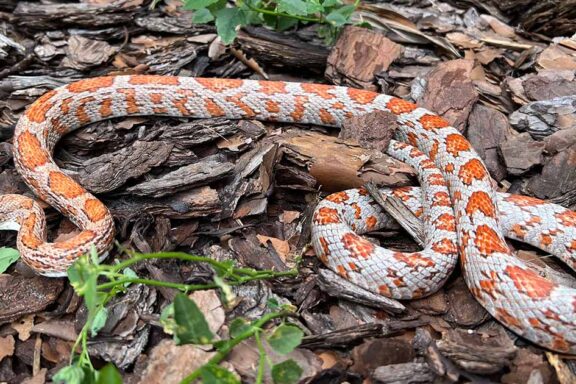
(461,213)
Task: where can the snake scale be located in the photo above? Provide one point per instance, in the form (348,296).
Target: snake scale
(461,214)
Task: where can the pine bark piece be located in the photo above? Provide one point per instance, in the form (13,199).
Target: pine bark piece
(543,118)
(359,54)
(203,172)
(47,16)
(450,92)
(406,373)
(337,164)
(521,153)
(373,130)
(274,48)
(108,172)
(20,295)
(475,353)
(487,129)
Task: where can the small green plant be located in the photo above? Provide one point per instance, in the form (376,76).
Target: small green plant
(278,14)
(182,318)
(8,256)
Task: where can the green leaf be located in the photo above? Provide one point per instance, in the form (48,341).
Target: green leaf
(331,3)
(192,327)
(198,4)
(7,257)
(167,319)
(227,19)
(227,294)
(213,374)
(285,338)
(84,277)
(293,7)
(238,326)
(71,374)
(99,321)
(109,375)
(94,255)
(285,23)
(202,16)
(286,372)
(340,16)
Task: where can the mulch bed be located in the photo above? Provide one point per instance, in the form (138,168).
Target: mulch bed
(244,190)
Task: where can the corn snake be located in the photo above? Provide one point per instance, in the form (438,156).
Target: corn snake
(460,212)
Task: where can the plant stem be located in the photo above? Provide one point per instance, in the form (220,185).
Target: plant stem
(222,353)
(281,14)
(261,359)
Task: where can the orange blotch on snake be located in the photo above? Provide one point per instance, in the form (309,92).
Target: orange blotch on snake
(567,218)
(219,85)
(237,100)
(106,107)
(299,107)
(272,87)
(434,150)
(436,179)
(445,247)
(414,260)
(338,105)
(441,199)
(342,271)
(530,283)
(507,318)
(524,201)
(412,138)
(156,98)
(545,239)
(213,109)
(326,117)
(326,215)
(37,111)
(480,201)
(489,287)
(338,197)
(559,344)
(318,89)
(31,152)
(75,242)
(130,100)
(63,185)
(90,85)
(398,106)
(357,246)
(357,211)
(384,290)
(29,222)
(272,106)
(446,222)
(433,122)
(360,96)
(519,231)
(488,241)
(153,80)
(81,113)
(95,210)
(472,170)
(371,222)
(456,143)
(323,256)
(31,241)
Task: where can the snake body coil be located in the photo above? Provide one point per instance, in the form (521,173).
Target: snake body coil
(458,206)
